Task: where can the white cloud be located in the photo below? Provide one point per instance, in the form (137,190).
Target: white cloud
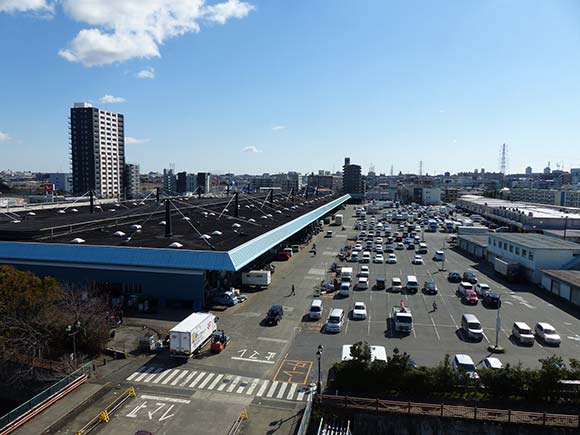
(279,127)
(127,29)
(133,140)
(39,6)
(147,73)
(251,149)
(4,137)
(110,99)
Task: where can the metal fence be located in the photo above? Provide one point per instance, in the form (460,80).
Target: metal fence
(305,419)
(86,370)
(442,410)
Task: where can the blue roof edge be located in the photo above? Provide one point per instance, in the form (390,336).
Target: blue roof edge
(249,251)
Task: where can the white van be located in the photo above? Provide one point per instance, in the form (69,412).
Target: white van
(315,312)
(335,320)
(471,327)
(463,287)
(412,284)
(344,288)
(396,285)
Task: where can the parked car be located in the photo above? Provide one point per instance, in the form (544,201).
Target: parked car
(470,297)
(392,259)
(523,333)
(470,277)
(274,315)
(335,320)
(396,285)
(363,283)
(491,300)
(389,249)
(366,257)
(439,256)
(547,334)
(410,247)
(417,259)
(378,258)
(464,364)
(359,311)
(364,271)
(463,287)
(430,287)
(481,289)
(492,363)
(454,277)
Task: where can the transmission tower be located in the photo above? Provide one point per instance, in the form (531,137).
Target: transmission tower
(503,159)
(420,167)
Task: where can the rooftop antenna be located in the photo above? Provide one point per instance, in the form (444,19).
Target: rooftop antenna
(503,159)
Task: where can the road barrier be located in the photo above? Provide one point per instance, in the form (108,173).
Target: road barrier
(23,413)
(105,415)
(236,426)
(452,411)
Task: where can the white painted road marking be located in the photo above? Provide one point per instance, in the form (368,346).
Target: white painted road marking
(233,384)
(272,389)
(165,399)
(196,380)
(206,380)
(215,382)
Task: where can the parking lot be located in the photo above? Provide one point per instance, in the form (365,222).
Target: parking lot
(435,332)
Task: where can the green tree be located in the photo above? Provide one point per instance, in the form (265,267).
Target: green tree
(361,352)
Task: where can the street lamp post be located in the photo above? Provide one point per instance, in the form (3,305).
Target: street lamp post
(73,330)
(319,383)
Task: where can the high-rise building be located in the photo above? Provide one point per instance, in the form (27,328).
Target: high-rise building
(97,139)
(181,184)
(352,181)
(575,178)
(132,181)
(529,170)
(204,182)
(169,181)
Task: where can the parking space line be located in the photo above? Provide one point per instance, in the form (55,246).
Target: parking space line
(453,319)
(435,327)
(262,388)
(215,382)
(485,336)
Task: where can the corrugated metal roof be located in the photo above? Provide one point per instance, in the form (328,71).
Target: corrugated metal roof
(249,251)
(175,259)
(569,276)
(477,239)
(536,241)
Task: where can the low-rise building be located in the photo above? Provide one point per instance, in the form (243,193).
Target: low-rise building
(563,283)
(474,244)
(533,252)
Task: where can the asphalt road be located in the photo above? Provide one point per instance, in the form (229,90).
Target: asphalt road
(273,367)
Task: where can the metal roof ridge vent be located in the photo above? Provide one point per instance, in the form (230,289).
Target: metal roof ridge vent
(16,221)
(176,245)
(31,213)
(216,233)
(119,234)
(205,237)
(251,220)
(136,227)
(236,225)
(78,240)
(162,223)
(112,209)
(61,212)
(74,210)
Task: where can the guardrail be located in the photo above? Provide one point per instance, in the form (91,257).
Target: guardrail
(105,415)
(305,421)
(20,415)
(237,425)
(452,411)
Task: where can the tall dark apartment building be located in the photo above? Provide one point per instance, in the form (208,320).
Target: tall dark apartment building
(352,181)
(97,140)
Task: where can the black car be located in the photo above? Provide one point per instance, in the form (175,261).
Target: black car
(454,277)
(274,315)
(491,300)
(470,277)
(410,247)
(430,288)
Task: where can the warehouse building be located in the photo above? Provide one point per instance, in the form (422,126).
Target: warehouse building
(174,250)
(474,244)
(533,252)
(563,283)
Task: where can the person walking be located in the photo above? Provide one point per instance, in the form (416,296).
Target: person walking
(434,306)
(293,292)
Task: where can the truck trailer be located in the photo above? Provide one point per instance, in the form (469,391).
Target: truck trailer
(188,336)
(260,278)
(338,219)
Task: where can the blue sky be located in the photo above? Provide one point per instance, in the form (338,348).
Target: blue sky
(276,85)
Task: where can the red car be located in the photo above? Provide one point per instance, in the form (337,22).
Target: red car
(282,256)
(470,297)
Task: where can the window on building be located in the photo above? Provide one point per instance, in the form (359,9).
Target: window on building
(494,244)
(531,255)
(511,248)
(517,251)
(524,252)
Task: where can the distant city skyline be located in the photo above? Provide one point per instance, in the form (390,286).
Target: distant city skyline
(258,86)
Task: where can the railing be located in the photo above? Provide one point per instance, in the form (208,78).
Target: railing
(237,425)
(105,415)
(305,419)
(28,409)
(442,410)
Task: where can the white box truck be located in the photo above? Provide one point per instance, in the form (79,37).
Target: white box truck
(261,278)
(338,220)
(402,318)
(187,337)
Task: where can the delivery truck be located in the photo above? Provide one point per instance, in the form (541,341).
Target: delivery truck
(338,220)
(402,318)
(188,337)
(509,270)
(259,278)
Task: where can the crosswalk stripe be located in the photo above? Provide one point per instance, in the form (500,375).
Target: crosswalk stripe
(145,373)
(137,373)
(233,384)
(292,391)
(227,379)
(206,380)
(170,377)
(178,378)
(215,382)
(153,374)
(196,380)
(253,386)
(281,390)
(161,376)
(300,395)
(272,389)
(263,388)
(188,378)
(245,382)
